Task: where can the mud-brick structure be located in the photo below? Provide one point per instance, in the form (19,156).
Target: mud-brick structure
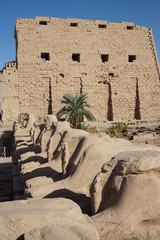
(116,64)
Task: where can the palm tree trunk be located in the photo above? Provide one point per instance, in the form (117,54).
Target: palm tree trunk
(75,122)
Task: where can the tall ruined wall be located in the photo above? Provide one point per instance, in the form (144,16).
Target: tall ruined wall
(115,63)
(9,93)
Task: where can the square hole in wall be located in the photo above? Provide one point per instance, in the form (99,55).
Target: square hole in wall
(45,56)
(74,24)
(111,74)
(129,27)
(131,58)
(104,58)
(43,22)
(76,57)
(102,25)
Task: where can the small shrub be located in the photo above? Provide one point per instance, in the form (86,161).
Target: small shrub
(119,127)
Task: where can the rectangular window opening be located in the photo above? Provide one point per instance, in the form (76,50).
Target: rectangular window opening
(74,24)
(45,56)
(43,22)
(104,58)
(76,57)
(131,58)
(102,25)
(129,27)
(111,74)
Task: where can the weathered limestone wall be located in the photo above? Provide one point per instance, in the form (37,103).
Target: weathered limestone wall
(9,93)
(115,63)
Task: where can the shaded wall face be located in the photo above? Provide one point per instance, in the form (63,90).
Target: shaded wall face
(9,94)
(104,60)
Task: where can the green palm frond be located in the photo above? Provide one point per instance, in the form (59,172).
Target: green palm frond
(88,115)
(76,107)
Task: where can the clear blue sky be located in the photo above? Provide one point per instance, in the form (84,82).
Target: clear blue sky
(141,12)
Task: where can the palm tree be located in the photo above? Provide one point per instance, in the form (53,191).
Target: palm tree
(75,109)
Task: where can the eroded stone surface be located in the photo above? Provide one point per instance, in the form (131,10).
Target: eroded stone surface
(89,156)
(126,193)
(121,178)
(20,217)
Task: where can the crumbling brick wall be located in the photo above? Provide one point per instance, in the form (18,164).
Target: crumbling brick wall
(114,63)
(9,93)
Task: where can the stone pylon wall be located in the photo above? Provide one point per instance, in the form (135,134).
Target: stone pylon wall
(9,93)
(114,63)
